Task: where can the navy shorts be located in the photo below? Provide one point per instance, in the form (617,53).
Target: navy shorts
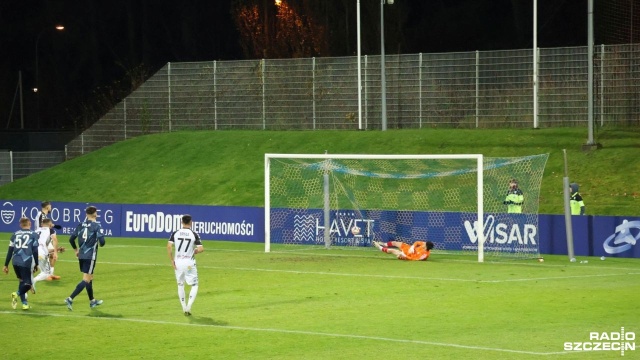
(23,273)
(87,266)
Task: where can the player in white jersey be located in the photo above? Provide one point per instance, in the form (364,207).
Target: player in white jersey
(42,214)
(187,245)
(52,248)
(47,249)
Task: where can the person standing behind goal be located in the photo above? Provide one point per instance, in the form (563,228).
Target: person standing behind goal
(514,199)
(188,244)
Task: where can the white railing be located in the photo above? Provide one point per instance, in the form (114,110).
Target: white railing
(18,164)
(483,89)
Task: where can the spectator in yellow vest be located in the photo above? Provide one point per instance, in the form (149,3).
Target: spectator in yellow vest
(576,203)
(514,198)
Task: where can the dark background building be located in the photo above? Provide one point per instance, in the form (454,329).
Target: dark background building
(108,48)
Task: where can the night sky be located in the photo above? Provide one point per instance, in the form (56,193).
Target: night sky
(110,47)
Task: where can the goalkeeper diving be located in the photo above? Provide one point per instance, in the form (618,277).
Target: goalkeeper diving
(418,251)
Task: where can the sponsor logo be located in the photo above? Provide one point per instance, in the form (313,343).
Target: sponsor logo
(307,229)
(623,239)
(8,215)
(500,233)
(605,341)
(158,222)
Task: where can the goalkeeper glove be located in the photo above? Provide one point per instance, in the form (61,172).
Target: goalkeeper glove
(412,249)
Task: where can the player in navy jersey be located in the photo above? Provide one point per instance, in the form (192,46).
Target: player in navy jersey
(89,235)
(187,243)
(23,248)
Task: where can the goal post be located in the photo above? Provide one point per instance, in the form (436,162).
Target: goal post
(350,200)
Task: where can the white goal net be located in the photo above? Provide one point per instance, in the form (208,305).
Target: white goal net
(351,200)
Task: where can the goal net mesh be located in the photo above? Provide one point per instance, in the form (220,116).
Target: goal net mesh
(405,200)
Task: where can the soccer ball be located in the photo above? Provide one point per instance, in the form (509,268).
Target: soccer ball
(540,260)
(355,230)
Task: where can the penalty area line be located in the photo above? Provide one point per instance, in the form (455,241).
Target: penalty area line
(400,277)
(293,332)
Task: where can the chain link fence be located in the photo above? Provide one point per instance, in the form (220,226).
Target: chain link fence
(15,165)
(482,89)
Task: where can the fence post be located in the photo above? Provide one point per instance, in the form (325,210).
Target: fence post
(264,95)
(124,105)
(420,90)
(477,86)
(601,85)
(11,166)
(313,88)
(366,97)
(215,96)
(169,92)
(536,59)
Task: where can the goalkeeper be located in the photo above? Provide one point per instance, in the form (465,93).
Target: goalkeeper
(514,198)
(418,251)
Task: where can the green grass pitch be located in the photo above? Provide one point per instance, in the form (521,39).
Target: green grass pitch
(322,304)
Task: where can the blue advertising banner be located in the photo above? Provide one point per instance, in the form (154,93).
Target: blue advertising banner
(610,236)
(616,236)
(145,221)
(503,232)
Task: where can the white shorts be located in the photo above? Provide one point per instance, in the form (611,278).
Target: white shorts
(43,261)
(186,271)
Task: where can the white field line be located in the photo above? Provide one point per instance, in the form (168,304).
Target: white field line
(294,332)
(470,261)
(405,277)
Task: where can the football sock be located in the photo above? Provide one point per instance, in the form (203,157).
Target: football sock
(384,249)
(389,244)
(192,296)
(40,277)
(24,288)
(90,289)
(81,285)
(181,296)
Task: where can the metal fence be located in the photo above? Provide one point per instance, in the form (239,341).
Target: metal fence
(484,89)
(15,165)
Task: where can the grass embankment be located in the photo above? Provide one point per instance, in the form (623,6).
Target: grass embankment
(227,167)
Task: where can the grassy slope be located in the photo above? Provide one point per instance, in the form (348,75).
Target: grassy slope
(226,167)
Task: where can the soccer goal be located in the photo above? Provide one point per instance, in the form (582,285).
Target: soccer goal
(349,200)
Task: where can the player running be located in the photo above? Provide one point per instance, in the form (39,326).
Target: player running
(46,252)
(23,248)
(89,235)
